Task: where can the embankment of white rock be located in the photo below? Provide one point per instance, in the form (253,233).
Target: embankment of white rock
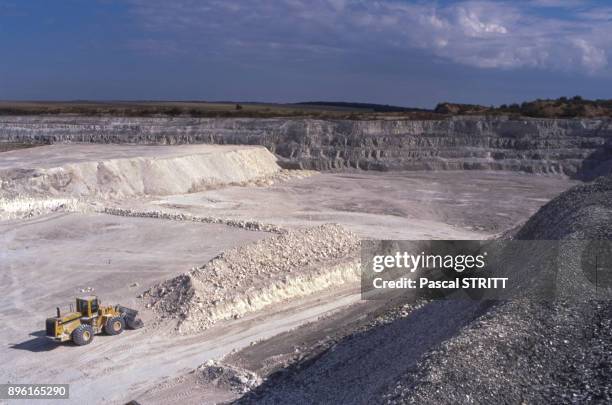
(117,171)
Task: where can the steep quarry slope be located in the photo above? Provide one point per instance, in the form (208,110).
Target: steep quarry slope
(248,278)
(579,148)
(120,170)
(450,352)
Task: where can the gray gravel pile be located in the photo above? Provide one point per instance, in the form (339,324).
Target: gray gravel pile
(520,352)
(250,277)
(530,351)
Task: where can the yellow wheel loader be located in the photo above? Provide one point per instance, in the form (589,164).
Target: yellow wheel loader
(91,319)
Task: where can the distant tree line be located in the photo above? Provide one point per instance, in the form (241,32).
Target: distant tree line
(562,107)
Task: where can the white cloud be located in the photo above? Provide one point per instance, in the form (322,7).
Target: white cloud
(592,58)
(485,34)
(473,25)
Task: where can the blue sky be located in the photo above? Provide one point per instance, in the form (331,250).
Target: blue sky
(413,53)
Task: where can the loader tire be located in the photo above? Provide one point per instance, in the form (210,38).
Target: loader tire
(83,335)
(114,326)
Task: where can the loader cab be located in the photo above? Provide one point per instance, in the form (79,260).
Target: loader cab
(88,306)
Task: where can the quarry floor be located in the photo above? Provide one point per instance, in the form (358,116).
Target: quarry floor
(47,260)
(392,205)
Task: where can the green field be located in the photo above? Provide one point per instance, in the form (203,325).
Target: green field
(206,109)
(550,108)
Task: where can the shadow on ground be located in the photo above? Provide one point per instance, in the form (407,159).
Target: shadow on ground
(366,362)
(40,343)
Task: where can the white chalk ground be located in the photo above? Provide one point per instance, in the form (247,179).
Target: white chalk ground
(45,261)
(393,205)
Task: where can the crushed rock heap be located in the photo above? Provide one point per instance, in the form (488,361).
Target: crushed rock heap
(529,351)
(247,278)
(225,376)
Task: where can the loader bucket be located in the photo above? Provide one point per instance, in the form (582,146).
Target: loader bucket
(135,323)
(132,320)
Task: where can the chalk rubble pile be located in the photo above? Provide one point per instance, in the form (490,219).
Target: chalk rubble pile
(248,278)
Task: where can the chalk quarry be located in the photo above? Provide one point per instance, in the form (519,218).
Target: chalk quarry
(238,240)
